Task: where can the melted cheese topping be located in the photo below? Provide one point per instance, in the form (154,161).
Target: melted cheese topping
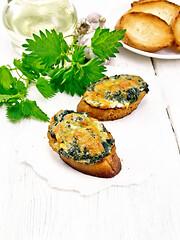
(115,91)
(80,137)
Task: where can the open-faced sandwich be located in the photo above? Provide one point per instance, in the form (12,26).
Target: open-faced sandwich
(84,144)
(113,97)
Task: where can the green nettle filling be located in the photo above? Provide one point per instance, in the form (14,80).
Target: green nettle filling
(132,94)
(73,149)
(120,97)
(117,96)
(82,155)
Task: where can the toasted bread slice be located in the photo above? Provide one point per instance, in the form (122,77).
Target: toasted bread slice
(145,31)
(111,113)
(176,31)
(143,1)
(106,167)
(113,97)
(162,9)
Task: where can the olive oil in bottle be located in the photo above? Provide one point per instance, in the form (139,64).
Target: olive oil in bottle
(22,18)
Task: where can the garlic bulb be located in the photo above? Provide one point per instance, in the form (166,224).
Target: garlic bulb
(85,30)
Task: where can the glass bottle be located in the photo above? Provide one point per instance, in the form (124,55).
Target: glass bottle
(22,18)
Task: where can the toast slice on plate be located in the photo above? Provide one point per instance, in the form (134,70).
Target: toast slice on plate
(176,31)
(145,31)
(143,1)
(162,9)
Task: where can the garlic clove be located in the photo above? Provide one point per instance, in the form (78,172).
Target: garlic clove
(94,17)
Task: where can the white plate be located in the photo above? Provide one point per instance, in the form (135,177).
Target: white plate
(112,18)
(167,53)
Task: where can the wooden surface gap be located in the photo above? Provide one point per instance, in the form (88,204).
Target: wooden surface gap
(173,127)
(153,65)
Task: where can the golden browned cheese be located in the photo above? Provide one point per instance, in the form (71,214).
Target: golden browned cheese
(80,130)
(84,144)
(113,97)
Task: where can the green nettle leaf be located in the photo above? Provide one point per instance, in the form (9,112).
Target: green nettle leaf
(71,81)
(47,47)
(20,87)
(77,77)
(6,78)
(9,98)
(30,108)
(78,55)
(5,98)
(14,112)
(93,71)
(28,68)
(57,78)
(19,65)
(105,43)
(45,88)
(52,65)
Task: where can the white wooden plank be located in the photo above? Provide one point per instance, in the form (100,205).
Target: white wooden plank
(142,212)
(31,210)
(168,73)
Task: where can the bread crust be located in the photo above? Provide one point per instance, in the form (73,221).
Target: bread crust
(176,31)
(108,167)
(110,113)
(145,31)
